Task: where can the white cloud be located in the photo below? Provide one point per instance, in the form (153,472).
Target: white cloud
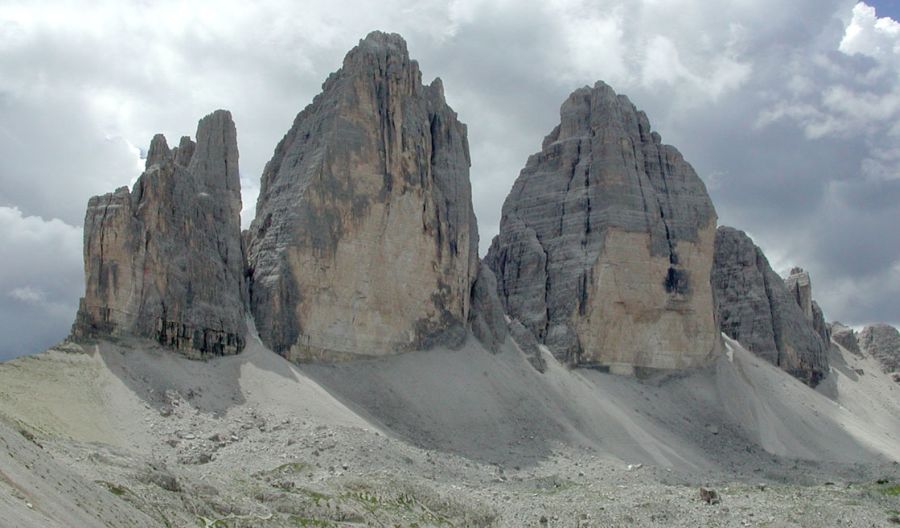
(870,35)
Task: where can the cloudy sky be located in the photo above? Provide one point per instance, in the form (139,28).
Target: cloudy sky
(790,111)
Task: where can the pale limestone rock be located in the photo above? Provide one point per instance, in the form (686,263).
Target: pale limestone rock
(800,286)
(164,261)
(365,241)
(606,243)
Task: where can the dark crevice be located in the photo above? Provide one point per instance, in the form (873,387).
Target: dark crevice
(640,184)
(776,330)
(569,185)
(547,285)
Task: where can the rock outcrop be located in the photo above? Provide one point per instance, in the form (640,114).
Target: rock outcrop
(882,341)
(365,241)
(800,286)
(164,261)
(756,308)
(844,336)
(486,316)
(606,243)
(528,344)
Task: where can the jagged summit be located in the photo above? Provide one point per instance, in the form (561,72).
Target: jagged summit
(365,241)
(164,261)
(605,243)
(379,42)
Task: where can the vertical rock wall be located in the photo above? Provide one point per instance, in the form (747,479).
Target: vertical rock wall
(756,308)
(606,243)
(164,261)
(365,241)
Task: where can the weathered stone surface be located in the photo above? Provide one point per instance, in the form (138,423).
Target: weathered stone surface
(164,261)
(819,324)
(756,308)
(365,241)
(882,341)
(844,336)
(799,285)
(528,344)
(486,316)
(606,242)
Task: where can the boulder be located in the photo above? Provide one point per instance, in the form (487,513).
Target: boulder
(365,240)
(756,308)
(165,261)
(606,243)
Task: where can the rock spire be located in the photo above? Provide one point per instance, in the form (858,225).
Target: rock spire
(365,240)
(164,261)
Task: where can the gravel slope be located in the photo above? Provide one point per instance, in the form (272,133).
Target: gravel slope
(124,434)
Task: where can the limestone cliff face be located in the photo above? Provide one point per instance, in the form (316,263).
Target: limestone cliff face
(164,261)
(757,308)
(882,341)
(606,243)
(365,241)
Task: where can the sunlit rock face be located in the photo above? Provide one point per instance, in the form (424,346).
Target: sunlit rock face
(606,243)
(164,261)
(365,241)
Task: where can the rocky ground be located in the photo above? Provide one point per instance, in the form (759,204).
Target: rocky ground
(126,435)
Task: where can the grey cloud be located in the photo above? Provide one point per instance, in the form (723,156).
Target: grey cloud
(41,281)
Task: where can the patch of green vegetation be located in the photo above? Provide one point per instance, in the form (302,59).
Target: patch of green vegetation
(115,489)
(316,523)
(892,491)
(211,523)
(314,495)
